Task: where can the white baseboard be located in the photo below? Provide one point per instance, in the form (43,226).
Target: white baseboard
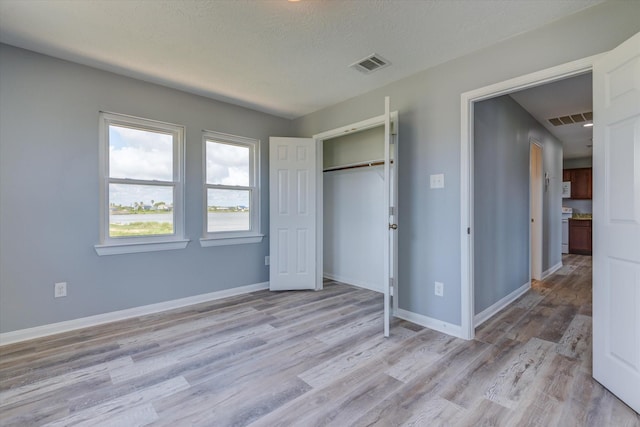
(431,323)
(490,311)
(552,270)
(349,281)
(99,319)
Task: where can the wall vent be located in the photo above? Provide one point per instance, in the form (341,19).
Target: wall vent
(572,118)
(370,64)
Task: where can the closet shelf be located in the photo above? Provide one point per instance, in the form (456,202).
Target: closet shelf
(356,165)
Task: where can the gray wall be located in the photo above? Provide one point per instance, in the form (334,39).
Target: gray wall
(429,139)
(49,194)
(502,134)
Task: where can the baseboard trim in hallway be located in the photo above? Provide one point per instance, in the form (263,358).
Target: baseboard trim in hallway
(500,305)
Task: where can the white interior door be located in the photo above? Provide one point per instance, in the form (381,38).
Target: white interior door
(390,205)
(292,212)
(616,222)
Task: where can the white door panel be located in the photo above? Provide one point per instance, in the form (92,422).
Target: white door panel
(391,207)
(616,222)
(292,229)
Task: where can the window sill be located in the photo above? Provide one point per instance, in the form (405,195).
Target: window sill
(130,248)
(231,240)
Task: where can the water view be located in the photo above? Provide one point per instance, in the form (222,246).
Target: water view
(162,223)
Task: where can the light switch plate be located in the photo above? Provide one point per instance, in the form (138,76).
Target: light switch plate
(437,181)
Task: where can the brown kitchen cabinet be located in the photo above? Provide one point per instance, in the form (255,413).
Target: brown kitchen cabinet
(581,182)
(580,236)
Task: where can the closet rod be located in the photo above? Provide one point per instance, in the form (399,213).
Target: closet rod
(354,166)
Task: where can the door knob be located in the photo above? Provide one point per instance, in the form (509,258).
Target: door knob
(393,226)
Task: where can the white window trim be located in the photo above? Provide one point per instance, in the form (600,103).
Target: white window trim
(123,245)
(223,238)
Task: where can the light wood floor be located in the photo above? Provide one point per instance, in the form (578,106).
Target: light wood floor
(318,358)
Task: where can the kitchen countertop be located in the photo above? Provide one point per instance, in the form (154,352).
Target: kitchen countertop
(581,216)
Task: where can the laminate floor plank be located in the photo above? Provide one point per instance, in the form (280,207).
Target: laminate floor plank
(576,342)
(334,404)
(436,412)
(346,362)
(497,328)
(62,367)
(104,394)
(486,414)
(54,383)
(121,405)
(426,384)
(504,375)
(306,358)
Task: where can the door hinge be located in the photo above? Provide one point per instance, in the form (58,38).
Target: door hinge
(391,286)
(468,230)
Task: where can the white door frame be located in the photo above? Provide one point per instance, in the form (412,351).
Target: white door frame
(320,138)
(536,198)
(538,78)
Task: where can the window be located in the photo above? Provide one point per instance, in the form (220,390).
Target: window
(141,177)
(231,194)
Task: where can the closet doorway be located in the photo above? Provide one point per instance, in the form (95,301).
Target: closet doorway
(357,206)
(353,208)
(296,206)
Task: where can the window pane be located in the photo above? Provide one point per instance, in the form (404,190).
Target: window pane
(140,154)
(140,210)
(227,164)
(228,210)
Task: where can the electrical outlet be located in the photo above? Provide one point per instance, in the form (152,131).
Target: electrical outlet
(267,260)
(60,289)
(439,289)
(437,181)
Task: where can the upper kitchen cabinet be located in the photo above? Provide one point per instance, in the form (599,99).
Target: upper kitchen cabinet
(581,186)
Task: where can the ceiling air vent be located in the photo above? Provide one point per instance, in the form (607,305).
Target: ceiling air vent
(572,118)
(370,64)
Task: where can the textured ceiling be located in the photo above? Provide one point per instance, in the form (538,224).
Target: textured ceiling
(284,58)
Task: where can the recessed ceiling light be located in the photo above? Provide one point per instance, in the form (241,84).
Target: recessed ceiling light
(587,125)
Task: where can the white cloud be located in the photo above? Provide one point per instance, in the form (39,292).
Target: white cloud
(227,164)
(138,154)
